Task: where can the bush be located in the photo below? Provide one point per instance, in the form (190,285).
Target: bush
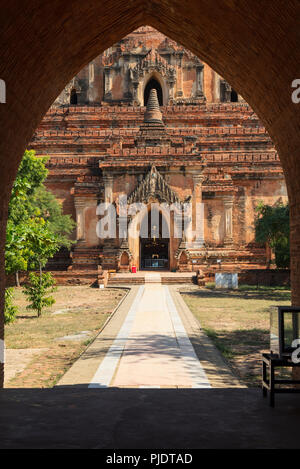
(272,226)
(10,311)
(36,290)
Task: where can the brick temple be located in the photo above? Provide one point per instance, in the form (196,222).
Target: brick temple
(149,120)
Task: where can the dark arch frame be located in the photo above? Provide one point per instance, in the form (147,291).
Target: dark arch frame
(75,32)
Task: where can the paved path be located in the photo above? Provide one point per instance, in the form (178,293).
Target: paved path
(152,348)
(148,344)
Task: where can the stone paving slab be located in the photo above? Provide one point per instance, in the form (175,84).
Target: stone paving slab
(152,356)
(216,368)
(107,368)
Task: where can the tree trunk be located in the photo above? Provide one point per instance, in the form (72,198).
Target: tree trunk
(40,310)
(17,279)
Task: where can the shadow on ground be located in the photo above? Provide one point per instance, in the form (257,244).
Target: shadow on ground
(244,295)
(73,418)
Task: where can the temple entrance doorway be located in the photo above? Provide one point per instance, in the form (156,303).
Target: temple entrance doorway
(154,254)
(152,83)
(154,242)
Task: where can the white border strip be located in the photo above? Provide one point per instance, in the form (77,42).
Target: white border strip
(189,356)
(107,367)
(2,351)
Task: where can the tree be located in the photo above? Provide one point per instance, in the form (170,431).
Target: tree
(272,226)
(44,204)
(16,251)
(31,175)
(36,290)
(36,226)
(42,243)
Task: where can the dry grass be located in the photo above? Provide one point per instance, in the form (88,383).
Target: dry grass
(77,309)
(238,324)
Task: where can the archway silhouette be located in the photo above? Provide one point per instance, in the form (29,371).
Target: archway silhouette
(48,43)
(153,83)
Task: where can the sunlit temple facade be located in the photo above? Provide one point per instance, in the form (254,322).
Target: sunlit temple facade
(149,120)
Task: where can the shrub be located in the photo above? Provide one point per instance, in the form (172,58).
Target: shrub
(36,290)
(10,310)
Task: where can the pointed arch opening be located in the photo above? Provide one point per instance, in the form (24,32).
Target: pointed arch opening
(154,240)
(153,83)
(73,97)
(234,96)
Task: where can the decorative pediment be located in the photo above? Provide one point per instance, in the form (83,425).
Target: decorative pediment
(153,62)
(154,187)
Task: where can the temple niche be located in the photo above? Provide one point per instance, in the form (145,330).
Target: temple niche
(150,123)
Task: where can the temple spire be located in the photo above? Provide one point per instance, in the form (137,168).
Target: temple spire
(153,113)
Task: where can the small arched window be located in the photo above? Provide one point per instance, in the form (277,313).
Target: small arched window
(73,97)
(234,96)
(152,83)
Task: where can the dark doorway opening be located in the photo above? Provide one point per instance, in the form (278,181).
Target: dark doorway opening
(154,247)
(234,96)
(154,254)
(152,83)
(73,97)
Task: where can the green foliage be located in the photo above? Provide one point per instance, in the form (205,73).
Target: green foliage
(36,226)
(37,289)
(272,226)
(16,249)
(31,175)
(45,205)
(10,311)
(42,243)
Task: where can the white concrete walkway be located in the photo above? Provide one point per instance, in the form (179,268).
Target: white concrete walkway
(152,348)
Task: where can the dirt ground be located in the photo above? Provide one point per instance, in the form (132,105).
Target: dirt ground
(238,324)
(40,350)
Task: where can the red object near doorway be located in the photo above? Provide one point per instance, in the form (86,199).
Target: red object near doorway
(133,269)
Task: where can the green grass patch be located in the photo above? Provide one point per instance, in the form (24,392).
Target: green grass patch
(265,288)
(77,309)
(226,351)
(238,322)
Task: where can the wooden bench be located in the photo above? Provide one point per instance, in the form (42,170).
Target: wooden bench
(269,381)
